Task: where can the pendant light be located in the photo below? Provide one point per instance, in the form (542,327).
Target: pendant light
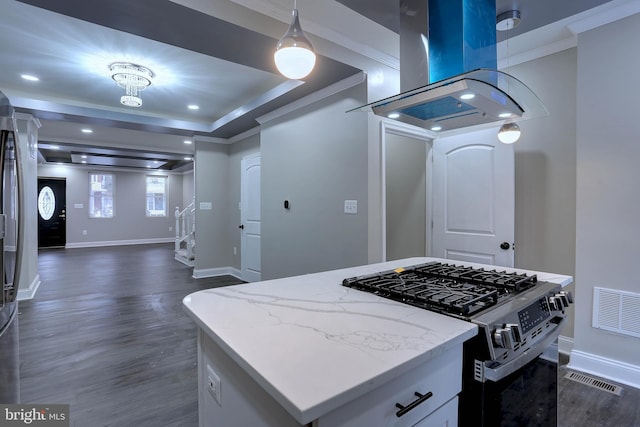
(294,54)
(509,133)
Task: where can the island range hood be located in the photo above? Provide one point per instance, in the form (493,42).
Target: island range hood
(448,61)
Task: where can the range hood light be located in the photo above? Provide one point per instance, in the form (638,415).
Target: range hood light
(466,96)
(505,115)
(393,115)
(508,20)
(436,128)
(509,133)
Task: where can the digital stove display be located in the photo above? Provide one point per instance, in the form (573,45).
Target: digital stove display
(533,315)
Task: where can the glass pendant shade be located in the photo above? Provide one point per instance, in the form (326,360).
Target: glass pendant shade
(509,133)
(294,56)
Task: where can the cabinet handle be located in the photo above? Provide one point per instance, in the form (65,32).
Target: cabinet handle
(404,409)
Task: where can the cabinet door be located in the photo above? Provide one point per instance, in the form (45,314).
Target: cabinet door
(442,376)
(445,416)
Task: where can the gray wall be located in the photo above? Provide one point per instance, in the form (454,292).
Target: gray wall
(316,158)
(187,189)
(237,151)
(546,171)
(29,279)
(212,226)
(608,199)
(406,192)
(130,222)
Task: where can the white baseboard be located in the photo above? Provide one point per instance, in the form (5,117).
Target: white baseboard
(213,272)
(30,292)
(565,345)
(614,370)
(119,243)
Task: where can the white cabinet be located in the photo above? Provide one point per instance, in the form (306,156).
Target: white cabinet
(442,377)
(243,402)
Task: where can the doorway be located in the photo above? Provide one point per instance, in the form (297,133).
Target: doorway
(250,218)
(406,192)
(52,212)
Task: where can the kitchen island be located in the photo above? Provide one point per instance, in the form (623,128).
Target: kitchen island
(307,351)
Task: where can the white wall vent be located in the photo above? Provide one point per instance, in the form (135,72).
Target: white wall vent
(616,311)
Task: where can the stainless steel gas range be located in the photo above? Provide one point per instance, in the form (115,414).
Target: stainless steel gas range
(510,367)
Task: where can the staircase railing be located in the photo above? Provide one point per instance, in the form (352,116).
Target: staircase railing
(186,232)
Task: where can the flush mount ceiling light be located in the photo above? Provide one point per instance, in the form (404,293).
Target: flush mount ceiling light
(508,20)
(509,133)
(133,78)
(294,55)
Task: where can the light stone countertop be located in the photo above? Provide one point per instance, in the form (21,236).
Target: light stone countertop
(315,345)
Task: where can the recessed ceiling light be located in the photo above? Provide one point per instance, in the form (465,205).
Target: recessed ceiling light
(467,96)
(87,131)
(30,78)
(193,107)
(393,115)
(504,115)
(436,128)
(188,141)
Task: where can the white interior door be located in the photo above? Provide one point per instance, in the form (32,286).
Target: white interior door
(250,218)
(473,198)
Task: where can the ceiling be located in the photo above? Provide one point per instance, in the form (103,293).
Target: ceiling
(216,54)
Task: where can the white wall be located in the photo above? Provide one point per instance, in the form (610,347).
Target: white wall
(608,198)
(546,171)
(316,158)
(130,223)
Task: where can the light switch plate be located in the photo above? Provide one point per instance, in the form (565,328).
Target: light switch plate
(206,206)
(351,207)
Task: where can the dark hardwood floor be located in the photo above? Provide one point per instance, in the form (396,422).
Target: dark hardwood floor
(581,405)
(107,334)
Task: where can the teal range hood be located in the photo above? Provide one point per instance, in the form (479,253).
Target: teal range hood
(478,97)
(448,75)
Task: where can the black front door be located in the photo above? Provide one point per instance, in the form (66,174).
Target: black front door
(52,212)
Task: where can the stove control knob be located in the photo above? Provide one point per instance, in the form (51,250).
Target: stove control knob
(515,332)
(555,304)
(565,298)
(507,336)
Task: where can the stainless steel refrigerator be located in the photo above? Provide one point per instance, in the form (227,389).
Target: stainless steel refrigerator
(10,256)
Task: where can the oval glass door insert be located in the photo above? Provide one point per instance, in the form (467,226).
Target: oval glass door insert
(46,203)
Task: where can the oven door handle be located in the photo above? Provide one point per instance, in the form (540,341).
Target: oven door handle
(496,373)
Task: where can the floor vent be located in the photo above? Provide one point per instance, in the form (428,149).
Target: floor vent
(594,382)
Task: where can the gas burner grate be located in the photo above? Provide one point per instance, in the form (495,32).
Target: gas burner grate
(509,281)
(446,288)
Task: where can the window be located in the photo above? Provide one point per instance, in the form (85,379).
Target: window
(156,196)
(101,196)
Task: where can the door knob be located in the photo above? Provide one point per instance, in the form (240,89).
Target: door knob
(504,246)
(241,226)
